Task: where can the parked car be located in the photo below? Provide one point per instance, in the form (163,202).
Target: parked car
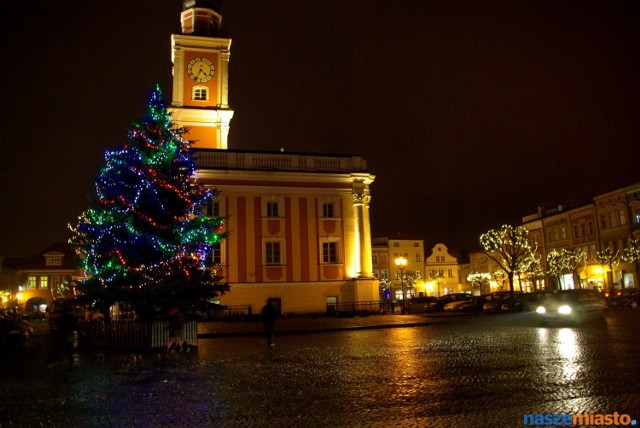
(77,308)
(441,301)
(573,306)
(493,302)
(14,332)
(459,306)
(525,302)
(625,298)
(418,305)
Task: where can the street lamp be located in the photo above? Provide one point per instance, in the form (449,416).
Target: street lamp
(401,263)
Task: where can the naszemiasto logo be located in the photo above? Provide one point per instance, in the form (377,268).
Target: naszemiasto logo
(582,419)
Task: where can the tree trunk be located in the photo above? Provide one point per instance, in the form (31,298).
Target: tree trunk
(512,294)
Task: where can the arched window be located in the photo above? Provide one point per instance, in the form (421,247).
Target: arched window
(200,93)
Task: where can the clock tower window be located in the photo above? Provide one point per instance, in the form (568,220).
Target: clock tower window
(200,93)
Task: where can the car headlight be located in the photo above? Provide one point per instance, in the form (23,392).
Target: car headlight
(565,310)
(541,310)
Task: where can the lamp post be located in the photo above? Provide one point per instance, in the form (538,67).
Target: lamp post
(401,263)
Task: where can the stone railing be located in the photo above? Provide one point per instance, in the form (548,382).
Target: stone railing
(282,161)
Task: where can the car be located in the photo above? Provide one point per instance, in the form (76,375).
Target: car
(525,302)
(441,301)
(459,306)
(77,308)
(625,298)
(493,302)
(418,305)
(575,306)
(14,333)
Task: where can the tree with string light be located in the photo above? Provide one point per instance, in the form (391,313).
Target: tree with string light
(631,254)
(610,258)
(144,240)
(511,249)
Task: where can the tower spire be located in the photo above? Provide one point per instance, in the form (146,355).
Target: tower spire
(201,17)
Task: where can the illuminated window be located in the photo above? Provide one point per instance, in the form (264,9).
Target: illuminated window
(636,215)
(272,209)
(200,93)
(32,282)
(329,252)
(272,253)
(44,282)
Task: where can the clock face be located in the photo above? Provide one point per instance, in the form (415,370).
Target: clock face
(200,69)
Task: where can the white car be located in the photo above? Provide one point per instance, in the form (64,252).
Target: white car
(572,306)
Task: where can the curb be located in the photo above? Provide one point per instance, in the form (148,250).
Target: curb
(302,331)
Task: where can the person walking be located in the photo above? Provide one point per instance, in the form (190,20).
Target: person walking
(176,326)
(269,316)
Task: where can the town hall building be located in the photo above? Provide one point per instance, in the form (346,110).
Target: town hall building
(297,223)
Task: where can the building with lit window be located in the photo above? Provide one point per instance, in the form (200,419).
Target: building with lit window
(446,271)
(298,223)
(37,280)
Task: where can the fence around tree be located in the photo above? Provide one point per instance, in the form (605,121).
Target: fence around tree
(134,335)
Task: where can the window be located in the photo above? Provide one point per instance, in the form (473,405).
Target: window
(583,229)
(54,261)
(575,230)
(329,252)
(272,252)
(216,253)
(636,215)
(200,93)
(417,257)
(32,282)
(450,273)
(622,217)
(416,244)
(272,209)
(213,209)
(375,258)
(590,225)
(396,244)
(55,281)
(44,282)
(603,221)
(384,273)
(327,210)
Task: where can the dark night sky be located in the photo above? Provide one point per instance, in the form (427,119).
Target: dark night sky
(470,113)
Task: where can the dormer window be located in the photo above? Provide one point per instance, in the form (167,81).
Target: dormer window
(200,93)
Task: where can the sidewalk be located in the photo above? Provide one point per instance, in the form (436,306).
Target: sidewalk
(317,324)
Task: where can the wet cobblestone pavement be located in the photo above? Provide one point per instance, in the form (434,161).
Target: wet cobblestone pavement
(470,371)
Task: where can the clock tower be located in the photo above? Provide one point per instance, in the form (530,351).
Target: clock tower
(200,56)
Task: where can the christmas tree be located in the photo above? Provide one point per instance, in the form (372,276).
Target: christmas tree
(144,240)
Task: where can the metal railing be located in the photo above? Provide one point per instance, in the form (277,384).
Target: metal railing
(355,308)
(131,334)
